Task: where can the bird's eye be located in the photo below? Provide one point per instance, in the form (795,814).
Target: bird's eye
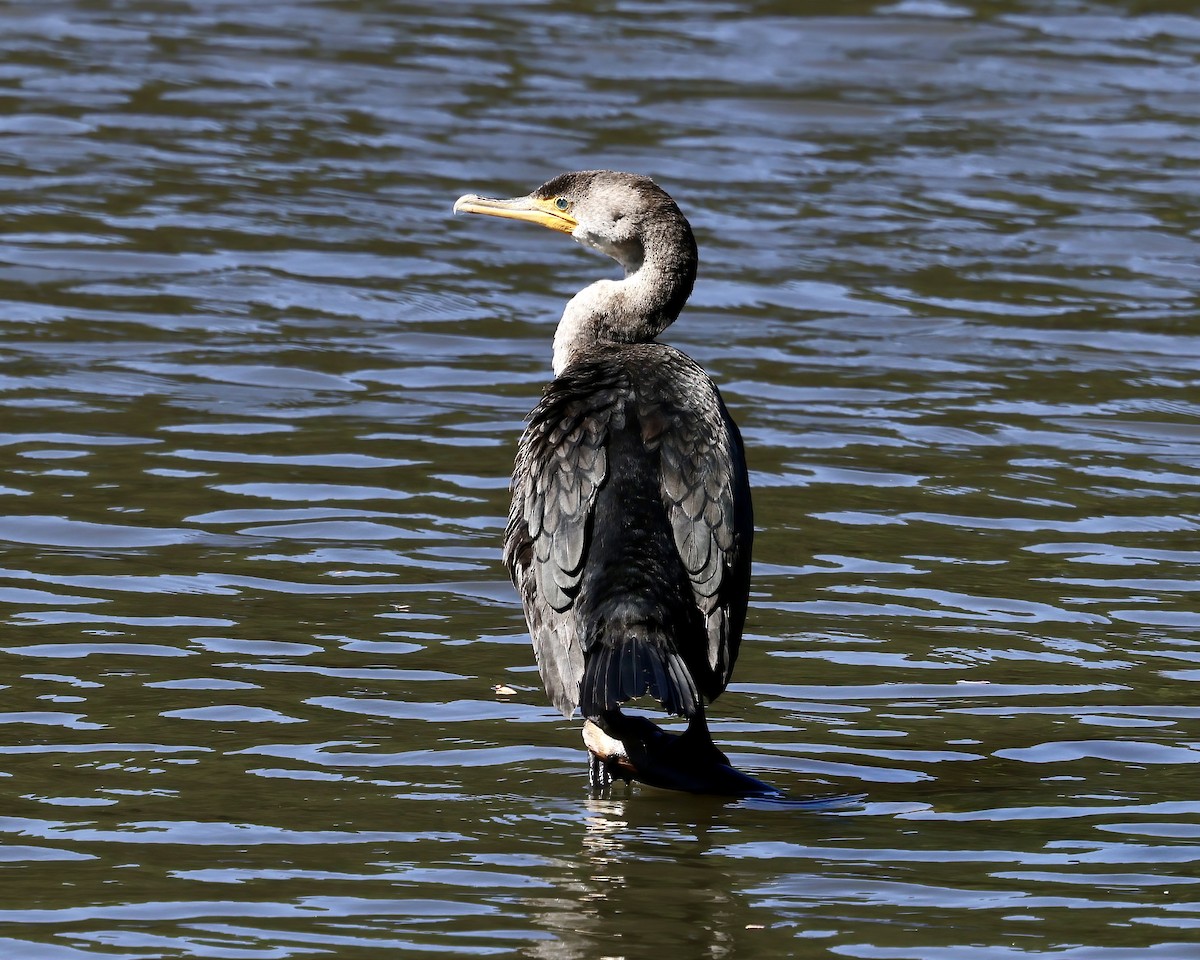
(562,203)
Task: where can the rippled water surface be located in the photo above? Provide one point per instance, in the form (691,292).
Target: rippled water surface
(260,393)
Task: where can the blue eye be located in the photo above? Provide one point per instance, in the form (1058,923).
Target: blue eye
(562,203)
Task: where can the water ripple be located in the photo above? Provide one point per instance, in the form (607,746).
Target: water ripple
(260,397)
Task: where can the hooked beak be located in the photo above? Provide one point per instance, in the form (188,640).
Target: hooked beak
(531,209)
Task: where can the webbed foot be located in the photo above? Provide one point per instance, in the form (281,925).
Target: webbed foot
(606,758)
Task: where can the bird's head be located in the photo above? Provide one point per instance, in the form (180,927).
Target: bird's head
(618,214)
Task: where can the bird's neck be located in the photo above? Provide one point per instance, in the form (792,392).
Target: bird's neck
(635,309)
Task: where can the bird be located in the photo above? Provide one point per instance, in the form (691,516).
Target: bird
(631,524)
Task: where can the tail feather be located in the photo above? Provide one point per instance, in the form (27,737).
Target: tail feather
(682,679)
(615,684)
(636,664)
(659,675)
(629,672)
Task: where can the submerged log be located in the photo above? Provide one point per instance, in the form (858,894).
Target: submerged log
(687,761)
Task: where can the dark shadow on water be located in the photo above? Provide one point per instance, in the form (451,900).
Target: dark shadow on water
(771,799)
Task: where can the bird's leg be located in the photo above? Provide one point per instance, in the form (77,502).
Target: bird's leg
(599,777)
(697,742)
(633,748)
(607,759)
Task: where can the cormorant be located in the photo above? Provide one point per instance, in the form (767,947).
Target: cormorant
(631,524)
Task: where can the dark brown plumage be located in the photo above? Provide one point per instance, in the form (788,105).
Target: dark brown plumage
(630,528)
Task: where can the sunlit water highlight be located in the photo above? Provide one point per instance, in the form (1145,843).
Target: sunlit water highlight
(259,396)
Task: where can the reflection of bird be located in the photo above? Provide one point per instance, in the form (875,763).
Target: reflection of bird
(630,527)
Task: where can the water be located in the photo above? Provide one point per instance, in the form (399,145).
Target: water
(260,392)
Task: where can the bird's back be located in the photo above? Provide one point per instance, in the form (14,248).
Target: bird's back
(629,532)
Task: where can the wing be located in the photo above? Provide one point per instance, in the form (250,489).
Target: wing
(675,414)
(706,489)
(561,465)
